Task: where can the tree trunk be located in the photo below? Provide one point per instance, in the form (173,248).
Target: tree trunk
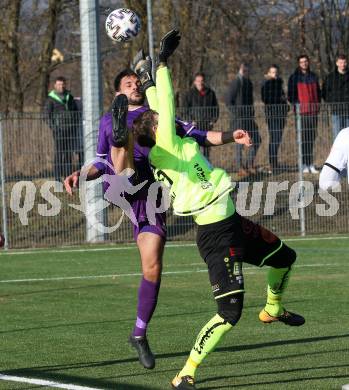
(48,44)
(11,95)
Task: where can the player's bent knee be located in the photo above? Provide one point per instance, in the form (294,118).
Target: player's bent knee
(230,316)
(288,256)
(230,307)
(293,256)
(283,258)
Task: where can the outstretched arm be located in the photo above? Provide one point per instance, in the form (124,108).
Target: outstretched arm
(71,182)
(166,129)
(216,138)
(152,98)
(208,138)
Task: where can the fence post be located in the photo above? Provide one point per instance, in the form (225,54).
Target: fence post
(92,103)
(3,194)
(150,32)
(300,170)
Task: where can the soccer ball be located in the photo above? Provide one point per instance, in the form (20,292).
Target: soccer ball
(122,25)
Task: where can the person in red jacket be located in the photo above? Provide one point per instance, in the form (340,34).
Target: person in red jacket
(304,92)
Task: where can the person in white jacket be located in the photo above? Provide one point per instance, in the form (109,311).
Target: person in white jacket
(337,163)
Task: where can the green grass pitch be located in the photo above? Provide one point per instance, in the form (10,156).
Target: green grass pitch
(72,326)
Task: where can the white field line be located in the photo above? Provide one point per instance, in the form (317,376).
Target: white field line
(96,276)
(120,248)
(113,276)
(46,383)
(72,250)
(316,238)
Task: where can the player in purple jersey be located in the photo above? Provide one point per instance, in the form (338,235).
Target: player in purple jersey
(150,238)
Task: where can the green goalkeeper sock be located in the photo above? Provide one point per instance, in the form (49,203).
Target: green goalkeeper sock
(207,339)
(277,283)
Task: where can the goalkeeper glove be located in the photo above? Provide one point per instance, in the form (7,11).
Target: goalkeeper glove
(142,66)
(168,45)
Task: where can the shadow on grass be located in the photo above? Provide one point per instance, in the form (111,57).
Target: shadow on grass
(274,372)
(97,323)
(281,382)
(281,342)
(231,363)
(278,358)
(237,348)
(88,323)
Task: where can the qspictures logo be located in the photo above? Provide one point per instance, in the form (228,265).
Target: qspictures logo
(251,198)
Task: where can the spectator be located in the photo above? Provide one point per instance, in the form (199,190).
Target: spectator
(336,91)
(276,107)
(202,106)
(64,119)
(304,92)
(239,100)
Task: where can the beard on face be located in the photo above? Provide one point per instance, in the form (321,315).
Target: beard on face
(137,100)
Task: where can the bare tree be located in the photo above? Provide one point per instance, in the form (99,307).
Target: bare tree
(11,95)
(51,16)
(216,36)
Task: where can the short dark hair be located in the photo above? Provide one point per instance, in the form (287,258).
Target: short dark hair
(341,56)
(274,66)
(197,74)
(124,73)
(302,56)
(142,128)
(60,78)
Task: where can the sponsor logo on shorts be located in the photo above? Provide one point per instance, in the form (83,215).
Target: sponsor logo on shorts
(237,268)
(215,288)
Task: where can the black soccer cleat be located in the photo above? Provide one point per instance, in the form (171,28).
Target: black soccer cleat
(183,383)
(145,355)
(119,110)
(287,317)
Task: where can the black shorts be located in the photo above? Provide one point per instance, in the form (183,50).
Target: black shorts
(226,244)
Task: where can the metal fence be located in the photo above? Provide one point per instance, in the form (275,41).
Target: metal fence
(35,156)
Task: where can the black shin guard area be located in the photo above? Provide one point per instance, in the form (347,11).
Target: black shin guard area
(230,307)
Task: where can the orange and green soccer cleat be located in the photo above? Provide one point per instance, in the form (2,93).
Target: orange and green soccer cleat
(287,317)
(183,382)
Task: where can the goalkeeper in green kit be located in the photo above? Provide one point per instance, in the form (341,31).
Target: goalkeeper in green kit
(224,238)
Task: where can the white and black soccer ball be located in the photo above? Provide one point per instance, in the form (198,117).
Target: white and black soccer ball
(122,25)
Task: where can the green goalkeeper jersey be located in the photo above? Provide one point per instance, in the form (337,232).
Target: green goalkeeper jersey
(196,188)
